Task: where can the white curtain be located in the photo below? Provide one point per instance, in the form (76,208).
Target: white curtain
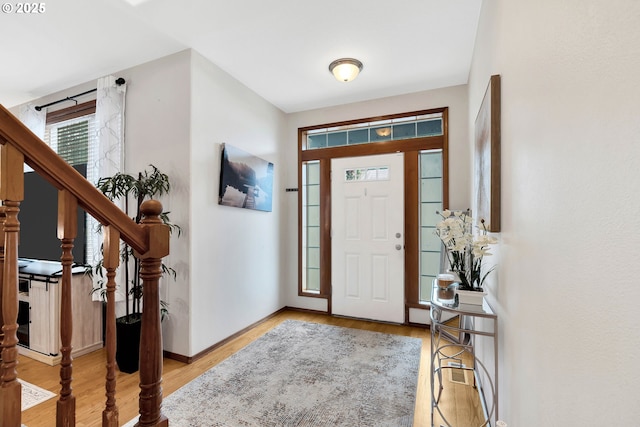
(108,159)
(33,119)
(110,110)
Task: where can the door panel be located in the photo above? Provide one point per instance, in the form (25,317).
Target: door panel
(367,237)
(379,274)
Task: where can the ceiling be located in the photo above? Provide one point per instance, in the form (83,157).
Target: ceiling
(281,49)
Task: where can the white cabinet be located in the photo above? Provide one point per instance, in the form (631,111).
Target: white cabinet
(43,296)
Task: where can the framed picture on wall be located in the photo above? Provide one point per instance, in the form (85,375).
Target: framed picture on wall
(487,157)
(246,181)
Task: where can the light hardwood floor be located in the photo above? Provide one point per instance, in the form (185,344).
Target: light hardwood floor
(89,372)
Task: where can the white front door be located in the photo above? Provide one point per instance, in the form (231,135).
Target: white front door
(367,245)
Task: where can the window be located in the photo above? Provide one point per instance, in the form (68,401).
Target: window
(422,137)
(370,132)
(71,132)
(70,139)
(430,202)
(311,227)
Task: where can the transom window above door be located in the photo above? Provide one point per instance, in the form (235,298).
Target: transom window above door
(416,126)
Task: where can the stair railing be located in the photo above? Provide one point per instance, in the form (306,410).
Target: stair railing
(149,240)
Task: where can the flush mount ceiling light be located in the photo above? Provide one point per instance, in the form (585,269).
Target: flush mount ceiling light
(345,69)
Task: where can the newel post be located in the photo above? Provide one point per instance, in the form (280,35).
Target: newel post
(151,333)
(11,194)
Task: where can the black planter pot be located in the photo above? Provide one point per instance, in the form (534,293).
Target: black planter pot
(128,343)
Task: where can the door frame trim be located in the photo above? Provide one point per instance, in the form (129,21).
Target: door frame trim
(411,148)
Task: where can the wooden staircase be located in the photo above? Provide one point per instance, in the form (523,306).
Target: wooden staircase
(149,239)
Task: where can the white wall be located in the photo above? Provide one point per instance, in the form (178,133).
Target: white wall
(157,132)
(236,254)
(567,281)
(453,97)
(230,270)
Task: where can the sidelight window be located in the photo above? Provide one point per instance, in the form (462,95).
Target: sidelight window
(311,227)
(431,200)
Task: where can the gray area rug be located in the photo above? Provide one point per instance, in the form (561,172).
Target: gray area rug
(306,374)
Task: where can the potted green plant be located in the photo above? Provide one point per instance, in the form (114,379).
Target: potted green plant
(122,186)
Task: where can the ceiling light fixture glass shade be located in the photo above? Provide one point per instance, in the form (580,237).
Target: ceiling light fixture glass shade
(383,131)
(345,69)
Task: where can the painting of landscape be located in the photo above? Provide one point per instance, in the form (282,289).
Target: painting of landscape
(246,181)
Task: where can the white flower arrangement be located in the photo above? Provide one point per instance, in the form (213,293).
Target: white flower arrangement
(463,249)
